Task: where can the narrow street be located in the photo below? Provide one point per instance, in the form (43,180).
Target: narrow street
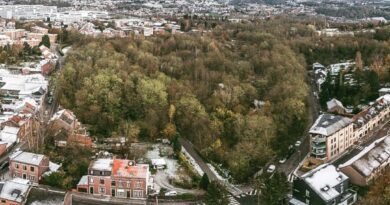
(314,111)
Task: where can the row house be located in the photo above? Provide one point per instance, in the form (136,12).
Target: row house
(369,163)
(27,165)
(322,186)
(371,117)
(330,136)
(117,178)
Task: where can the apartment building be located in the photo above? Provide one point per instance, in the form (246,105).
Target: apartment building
(27,165)
(117,178)
(371,117)
(369,163)
(323,186)
(331,135)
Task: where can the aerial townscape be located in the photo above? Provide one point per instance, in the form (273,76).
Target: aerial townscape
(194,102)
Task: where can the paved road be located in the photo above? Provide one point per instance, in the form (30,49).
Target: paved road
(314,110)
(189,147)
(161,179)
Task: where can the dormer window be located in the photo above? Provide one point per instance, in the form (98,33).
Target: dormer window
(325,188)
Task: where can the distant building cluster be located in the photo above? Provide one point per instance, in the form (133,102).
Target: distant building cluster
(9,35)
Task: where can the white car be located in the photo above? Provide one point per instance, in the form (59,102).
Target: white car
(171,193)
(298,143)
(271,168)
(282,161)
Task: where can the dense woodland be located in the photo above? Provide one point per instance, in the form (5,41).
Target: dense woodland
(200,87)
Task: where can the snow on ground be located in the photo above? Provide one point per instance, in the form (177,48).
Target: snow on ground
(172,164)
(215,172)
(192,162)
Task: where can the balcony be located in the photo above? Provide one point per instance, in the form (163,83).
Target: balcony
(348,197)
(318,139)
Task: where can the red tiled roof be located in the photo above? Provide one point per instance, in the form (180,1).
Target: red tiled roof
(128,168)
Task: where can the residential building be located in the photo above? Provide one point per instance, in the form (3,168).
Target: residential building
(322,186)
(120,178)
(27,165)
(384,91)
(14,191)
(335,106)
(369,163)
(81,140)
(64,119)
(330,136)
(368,119)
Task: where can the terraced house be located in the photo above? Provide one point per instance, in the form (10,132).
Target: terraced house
(331,135)
(120,178)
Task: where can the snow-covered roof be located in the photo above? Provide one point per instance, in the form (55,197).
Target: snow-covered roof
(327,124)
(295,201)
(27,157)
(102,164)
(159,162)
(371,157)
(384,90)
(83,180)
(334,103)
(15,190)
(324,179)
(9,135)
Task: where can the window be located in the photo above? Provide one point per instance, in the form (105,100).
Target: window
(101,190)
(101,181)
(17,166)
(137,193)
(24,167)
(128,184)
(307,193)
(112,192)
(91,180)
(138,184)
(112,183)
(32,169)
(32,178)
(91,190)
(307,201)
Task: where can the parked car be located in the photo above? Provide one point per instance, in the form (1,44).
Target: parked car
(283,160)
(271,168)
(298,143)
(171,193)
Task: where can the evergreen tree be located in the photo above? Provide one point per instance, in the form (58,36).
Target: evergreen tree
(45,41)
(216,194)
(274,189)
(204,182)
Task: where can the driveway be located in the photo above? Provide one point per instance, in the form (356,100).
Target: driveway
(161,180)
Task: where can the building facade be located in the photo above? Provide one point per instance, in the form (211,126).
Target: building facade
(28,166)
(369,163)
(117,178)
(330,136)
(323,186)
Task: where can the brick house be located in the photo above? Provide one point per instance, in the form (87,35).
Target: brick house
(14,192)
(81,140)
(27,165)
(117,178)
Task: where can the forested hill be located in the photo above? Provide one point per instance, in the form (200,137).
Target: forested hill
(201,87)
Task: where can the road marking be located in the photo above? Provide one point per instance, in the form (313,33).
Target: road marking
(233,201)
